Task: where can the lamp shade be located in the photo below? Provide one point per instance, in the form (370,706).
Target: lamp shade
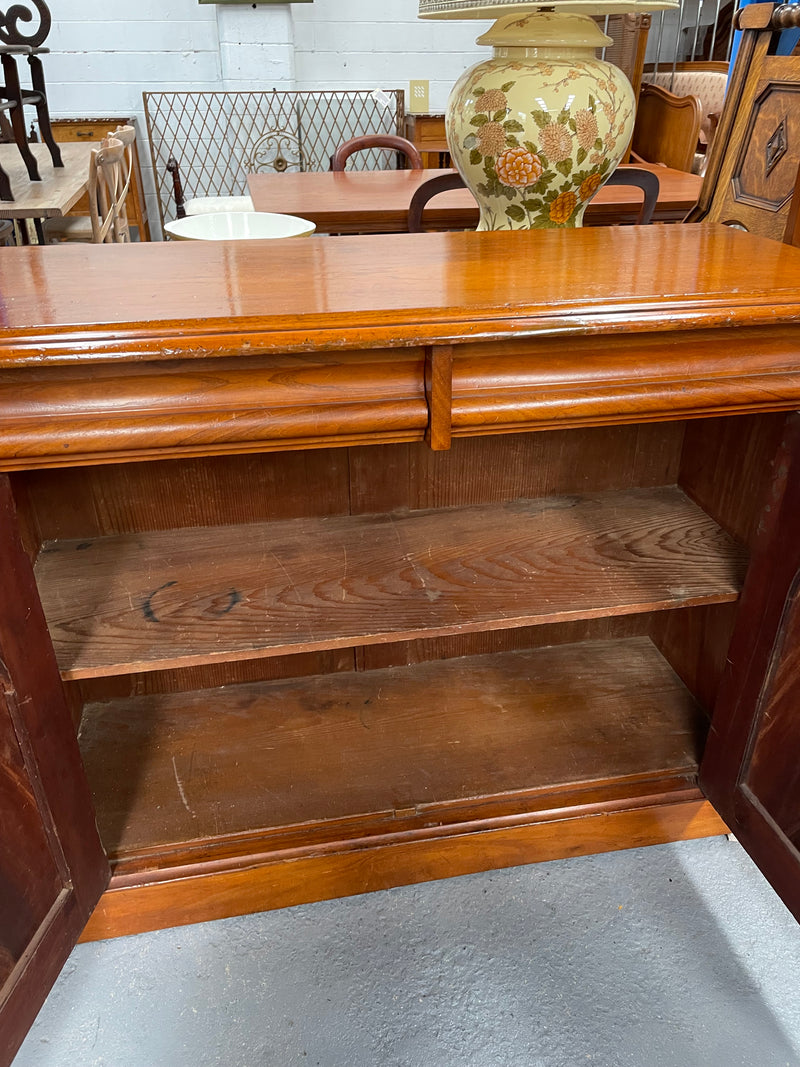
(492,9)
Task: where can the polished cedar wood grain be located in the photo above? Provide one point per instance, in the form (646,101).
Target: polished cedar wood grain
(196,300)
(204,356)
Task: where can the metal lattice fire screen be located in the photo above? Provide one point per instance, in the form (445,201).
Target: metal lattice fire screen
(218,138)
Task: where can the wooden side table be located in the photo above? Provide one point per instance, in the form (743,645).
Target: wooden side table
(95,129)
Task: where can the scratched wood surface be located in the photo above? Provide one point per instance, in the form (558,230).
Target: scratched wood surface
(196,300)
(200,359)
(87,502)
(415,745)
(181,597)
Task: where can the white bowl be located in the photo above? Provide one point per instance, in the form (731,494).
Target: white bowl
(202,205)
(238,226)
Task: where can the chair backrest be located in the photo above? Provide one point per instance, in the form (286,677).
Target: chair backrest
(666,129)
(428,189)
(755,154)
(376,140)
(109,181)
(628,32)
(642,179)
(705,79)
(177,187)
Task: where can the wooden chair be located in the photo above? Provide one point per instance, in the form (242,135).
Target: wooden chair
(109,181)
(636,176)
(705,79)
(110,168)
(432,187)
(667,128)
(202,205)
(642,179)
(753,163)
(376,140)
(15,44)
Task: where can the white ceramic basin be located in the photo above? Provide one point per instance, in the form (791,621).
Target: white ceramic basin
(238,226)
(202,205)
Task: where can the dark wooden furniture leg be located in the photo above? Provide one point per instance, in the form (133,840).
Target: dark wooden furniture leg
(5,186)
(14,93)
(42,110)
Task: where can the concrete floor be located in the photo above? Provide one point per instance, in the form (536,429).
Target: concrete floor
(674,956)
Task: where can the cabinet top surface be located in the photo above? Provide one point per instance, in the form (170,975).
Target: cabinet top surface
(389,290)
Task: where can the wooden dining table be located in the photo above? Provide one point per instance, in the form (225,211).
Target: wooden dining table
(59,190)
(377,201)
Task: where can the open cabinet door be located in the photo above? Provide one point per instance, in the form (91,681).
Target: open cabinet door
(52,866)
(751,767)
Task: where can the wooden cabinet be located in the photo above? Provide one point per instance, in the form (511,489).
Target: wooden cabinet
(350,587)
(95,130)
(427,132)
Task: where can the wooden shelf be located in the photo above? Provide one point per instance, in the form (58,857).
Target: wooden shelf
(434,749)
(198,595)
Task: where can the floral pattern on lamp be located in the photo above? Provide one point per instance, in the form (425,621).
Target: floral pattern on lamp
(538,166)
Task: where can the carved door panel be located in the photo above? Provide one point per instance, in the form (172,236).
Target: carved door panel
(756,150)
(751,768)
(52,867)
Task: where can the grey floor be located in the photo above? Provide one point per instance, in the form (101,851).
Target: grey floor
(674,956)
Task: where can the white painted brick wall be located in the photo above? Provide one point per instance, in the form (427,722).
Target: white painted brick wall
(344,44)
(257,46)
(103,56)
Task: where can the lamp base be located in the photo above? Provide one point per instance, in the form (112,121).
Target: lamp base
(536,129)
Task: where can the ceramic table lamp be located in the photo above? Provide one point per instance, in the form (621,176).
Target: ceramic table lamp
(537,128)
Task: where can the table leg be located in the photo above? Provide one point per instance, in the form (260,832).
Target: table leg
(5,186)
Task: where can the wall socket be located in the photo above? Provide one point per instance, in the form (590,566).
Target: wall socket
(418,93)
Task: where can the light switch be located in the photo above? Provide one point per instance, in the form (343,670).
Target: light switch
(418,92)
